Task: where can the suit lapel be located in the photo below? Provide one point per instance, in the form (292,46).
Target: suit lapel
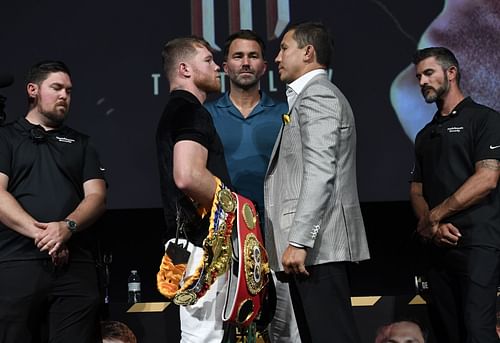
(274,154)
(316,78)
(277,144)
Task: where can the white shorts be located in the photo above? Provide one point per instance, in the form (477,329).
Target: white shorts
(202,322)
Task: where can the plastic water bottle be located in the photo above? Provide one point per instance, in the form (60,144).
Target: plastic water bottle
(134,287)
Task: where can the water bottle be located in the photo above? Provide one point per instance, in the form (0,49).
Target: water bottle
(134,287)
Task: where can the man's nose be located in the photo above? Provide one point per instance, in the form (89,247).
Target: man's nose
(64,93)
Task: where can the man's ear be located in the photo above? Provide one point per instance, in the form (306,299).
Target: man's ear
(452,73)
(32,89)
(309,53)
(184,69)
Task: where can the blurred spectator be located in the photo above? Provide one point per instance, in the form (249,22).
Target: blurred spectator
(498,324)
(404,331)
(116,332)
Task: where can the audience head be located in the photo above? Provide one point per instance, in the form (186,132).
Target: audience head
(404,331)
(116,332)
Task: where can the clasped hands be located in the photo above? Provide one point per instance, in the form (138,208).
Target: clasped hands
(51,237)
(441,234)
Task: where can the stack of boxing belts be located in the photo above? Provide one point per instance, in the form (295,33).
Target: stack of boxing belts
(239,252)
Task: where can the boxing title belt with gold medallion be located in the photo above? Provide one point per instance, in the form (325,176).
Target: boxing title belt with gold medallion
(249,273)
(187,289)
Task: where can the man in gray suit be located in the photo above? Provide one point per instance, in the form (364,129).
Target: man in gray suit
(313,219)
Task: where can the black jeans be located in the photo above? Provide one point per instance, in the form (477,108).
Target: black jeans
(42,303)
(462,295)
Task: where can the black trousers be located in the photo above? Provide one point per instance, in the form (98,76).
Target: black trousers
(462,294)
(322,305)
(41,303)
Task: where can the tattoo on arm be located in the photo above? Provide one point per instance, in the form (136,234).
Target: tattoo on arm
(489,164)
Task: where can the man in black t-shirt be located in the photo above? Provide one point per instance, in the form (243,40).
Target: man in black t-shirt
(190,154)
(455,195)
(51,188)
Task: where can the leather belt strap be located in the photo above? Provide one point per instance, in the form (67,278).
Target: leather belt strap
(249,273)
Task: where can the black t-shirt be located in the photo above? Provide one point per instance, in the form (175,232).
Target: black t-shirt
(447,150)
(184,118)
(46,171)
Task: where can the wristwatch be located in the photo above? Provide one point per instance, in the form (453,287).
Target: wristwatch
(71,225)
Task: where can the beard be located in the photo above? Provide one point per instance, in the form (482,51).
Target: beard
(54,117)
(432,94)
(207,83)
(245,82)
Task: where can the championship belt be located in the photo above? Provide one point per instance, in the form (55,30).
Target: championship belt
(187,289)
(249,272)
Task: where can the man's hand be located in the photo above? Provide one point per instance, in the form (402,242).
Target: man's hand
(426,228)
(61,256)
(293,261)
(53,236)
(446,235)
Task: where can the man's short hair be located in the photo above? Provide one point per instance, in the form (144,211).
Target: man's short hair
(114,330)
(179,49)
(41,70)
(317,35)
(443,56)
(243,34)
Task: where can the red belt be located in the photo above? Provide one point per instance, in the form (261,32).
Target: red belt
(249,273)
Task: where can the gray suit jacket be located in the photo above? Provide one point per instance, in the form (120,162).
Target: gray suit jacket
(310,190)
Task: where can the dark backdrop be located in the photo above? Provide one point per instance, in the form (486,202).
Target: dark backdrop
(113,49)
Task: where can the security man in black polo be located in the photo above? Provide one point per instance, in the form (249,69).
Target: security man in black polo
(46,173)
(447,150)
(455,195)
(51,189)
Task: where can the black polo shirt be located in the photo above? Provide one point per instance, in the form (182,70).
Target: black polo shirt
(447,150)
(46,171)
(185,118)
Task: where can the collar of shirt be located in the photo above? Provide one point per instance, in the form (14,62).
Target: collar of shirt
(26,125)
(291,96)
(182,93)
(294,88)
(438,118)
(264,102)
